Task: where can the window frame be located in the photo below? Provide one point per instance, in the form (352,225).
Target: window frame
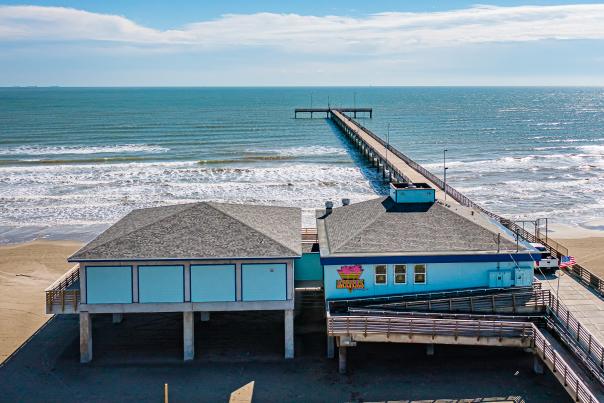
(425,273)
(404,266)
(385,274)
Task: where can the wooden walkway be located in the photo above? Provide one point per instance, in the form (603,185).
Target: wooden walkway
(585,304)
(386,158)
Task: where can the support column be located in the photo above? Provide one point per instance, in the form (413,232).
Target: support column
(188,336)
(429,349)
(204,316)
(118,317)
(289,333)
(330,347)
(342,359)
(537,365)
(85,337)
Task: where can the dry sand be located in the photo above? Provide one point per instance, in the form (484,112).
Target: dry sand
(25,271)
(589,252)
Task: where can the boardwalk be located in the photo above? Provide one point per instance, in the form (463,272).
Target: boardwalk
(586,305)
(390,157)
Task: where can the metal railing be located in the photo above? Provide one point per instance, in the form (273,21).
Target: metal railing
(58,294)
(568,377)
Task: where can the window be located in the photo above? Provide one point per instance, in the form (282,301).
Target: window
(400,274)
(419,272)
(380,274)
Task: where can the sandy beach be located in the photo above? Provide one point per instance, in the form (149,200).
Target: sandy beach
(25,271)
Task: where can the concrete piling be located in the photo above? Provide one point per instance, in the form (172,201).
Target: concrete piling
(289,333)
(188,336)
(117,318)
(342,359)
(85,337)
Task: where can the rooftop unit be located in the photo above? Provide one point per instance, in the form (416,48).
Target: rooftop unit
(412,193)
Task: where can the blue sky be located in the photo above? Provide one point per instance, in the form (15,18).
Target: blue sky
(202,43)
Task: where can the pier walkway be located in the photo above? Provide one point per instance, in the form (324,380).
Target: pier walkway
(387,158)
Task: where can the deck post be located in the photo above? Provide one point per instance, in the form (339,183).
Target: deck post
(85,337)
(117,317)
(537,365)
(342,359)
(430,349)
(204,316)
(188,335)
(289,333)
(330,347)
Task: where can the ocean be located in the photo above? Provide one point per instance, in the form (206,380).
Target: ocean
(74,160)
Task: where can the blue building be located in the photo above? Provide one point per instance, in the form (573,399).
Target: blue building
(410,243)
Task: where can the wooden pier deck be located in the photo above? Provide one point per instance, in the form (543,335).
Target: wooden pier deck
(327,111)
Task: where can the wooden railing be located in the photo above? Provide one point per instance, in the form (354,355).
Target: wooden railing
(310,235)
(59,296)
(346,325)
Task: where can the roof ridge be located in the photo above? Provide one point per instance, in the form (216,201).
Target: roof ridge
(211,204)
(344,242)
(191,205)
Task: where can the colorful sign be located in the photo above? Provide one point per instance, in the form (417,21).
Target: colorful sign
(350,278)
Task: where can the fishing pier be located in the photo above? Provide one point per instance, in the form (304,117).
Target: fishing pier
(328,111)
(550,322)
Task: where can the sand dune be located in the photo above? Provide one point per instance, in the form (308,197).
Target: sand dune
(25,271)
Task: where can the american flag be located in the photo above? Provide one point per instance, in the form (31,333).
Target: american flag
(567,261)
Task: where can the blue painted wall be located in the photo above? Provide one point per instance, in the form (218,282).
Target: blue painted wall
(108,284)
(308,267)
(412,195)
(213,283)
(264,282)
(161,284)
(440,276)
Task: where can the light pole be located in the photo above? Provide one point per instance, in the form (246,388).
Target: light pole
(445,172)
(354,100)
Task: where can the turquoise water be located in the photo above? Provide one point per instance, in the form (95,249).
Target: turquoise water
(81,158)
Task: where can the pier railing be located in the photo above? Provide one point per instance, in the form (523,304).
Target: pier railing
(562,370)
(59,298)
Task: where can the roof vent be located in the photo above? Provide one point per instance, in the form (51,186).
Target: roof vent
(412,193)
(328,207)
(345,202)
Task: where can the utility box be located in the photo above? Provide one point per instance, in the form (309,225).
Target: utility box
(500,278)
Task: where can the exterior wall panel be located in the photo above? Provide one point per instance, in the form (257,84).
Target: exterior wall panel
(108,284)
(211,283)
(264,282)
(160,284)
(308,267)
(439,277)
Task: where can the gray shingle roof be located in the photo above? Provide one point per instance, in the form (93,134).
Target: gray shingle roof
(381,226)
(199,230)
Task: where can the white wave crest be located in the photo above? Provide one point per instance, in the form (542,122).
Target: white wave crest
(82,149)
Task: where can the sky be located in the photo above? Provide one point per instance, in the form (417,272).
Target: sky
(301,43)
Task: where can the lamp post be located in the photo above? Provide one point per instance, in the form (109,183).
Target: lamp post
(387,147)
(445,172)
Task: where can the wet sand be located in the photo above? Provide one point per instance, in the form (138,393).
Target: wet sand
(25,271)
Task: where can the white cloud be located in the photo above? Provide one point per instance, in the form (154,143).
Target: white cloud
(390,32)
